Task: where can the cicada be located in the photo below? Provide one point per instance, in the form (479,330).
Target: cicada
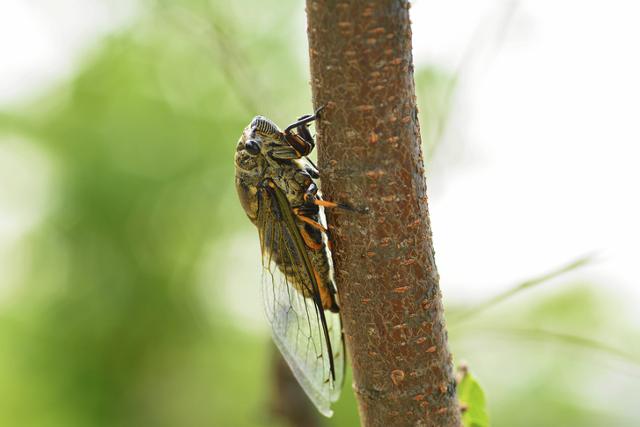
(276,184)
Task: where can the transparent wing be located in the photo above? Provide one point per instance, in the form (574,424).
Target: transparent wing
(309,338)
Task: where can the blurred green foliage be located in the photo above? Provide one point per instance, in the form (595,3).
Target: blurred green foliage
(435,89)
(112,324)
(552,359)
(107,328)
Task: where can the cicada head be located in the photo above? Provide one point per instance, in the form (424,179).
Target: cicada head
(256,140)
(253,158)
(247,152)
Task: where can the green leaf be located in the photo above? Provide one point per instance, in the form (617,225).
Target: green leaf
(472,401)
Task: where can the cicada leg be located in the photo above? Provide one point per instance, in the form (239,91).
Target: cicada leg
(310,197)
(298,136)
(303,212)
(304,120)
(311,230)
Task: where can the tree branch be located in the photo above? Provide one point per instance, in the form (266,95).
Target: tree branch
(370,156)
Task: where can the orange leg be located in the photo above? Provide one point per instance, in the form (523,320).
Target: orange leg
(326,203)
(310,197)
(309,221)
(308,240)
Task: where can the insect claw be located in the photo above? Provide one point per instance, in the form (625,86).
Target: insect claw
(345,207)
(303,121)
(348,207)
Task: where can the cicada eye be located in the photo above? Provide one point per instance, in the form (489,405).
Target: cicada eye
(252,147)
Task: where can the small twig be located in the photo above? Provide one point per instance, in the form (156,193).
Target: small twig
(520,287)
(568,339)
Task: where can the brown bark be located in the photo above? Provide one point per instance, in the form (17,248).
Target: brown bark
(370,155)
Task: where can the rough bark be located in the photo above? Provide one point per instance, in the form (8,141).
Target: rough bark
(369,154)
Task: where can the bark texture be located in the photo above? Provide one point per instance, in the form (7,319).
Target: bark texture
(369,154)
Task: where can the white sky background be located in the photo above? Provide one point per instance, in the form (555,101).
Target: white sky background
(538,166)
(545,131)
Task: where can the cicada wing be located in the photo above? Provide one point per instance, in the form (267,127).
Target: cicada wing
(309,338)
